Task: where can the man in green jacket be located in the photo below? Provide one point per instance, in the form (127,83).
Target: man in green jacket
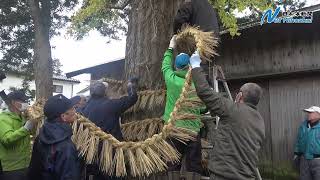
(241,128)
(175,80)
(15,147)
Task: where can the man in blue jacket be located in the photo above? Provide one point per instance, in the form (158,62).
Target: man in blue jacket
(105,113)
(307,148)
(54,155)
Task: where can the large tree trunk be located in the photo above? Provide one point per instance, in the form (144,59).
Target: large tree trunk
(42,50)
(149,32)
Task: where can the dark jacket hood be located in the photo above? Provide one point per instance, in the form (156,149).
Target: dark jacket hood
(54,131)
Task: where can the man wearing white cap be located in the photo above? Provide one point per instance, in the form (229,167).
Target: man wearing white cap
(307,148)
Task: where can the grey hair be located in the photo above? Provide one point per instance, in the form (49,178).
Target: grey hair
(251,92)
(99,89)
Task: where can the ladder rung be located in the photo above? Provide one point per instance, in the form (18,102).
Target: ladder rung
(207,147)
(205,178)
(221,80)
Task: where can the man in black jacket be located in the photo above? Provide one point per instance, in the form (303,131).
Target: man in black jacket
(54,155)
(105,113)
(197,13)
(241,128)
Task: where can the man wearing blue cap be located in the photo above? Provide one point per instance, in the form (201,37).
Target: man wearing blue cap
(175,80)
(54,155)
(15,148)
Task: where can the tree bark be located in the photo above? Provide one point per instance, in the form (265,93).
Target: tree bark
(149,32)
(40,12)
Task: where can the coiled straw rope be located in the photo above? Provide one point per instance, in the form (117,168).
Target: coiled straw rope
(141,158)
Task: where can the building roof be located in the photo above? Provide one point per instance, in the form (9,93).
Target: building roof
(84,90)
(64,78)
(111,66)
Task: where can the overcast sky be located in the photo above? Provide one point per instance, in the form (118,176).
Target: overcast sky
(92,50)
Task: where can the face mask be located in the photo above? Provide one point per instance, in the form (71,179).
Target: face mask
(24,106)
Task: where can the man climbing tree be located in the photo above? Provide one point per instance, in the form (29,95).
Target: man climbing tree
(197,13)
(201,14)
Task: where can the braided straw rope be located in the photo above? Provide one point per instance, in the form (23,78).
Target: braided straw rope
(141,158)
(113,81)
(141,130)
(144,157)
(148,100)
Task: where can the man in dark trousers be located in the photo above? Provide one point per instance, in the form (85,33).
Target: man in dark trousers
(241,128)
(54,155)
(105,113)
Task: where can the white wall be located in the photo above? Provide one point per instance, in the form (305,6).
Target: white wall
(14,81)
(67,88)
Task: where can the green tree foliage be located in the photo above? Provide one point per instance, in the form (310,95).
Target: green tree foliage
(17,33)
(227,9)
(109,17)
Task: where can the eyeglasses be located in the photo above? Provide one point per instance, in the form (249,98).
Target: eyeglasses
(70,111)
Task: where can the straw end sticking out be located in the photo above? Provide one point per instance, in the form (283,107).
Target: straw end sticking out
(146,166)
(134,171)
(106,157)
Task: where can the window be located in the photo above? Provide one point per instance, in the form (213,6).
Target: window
(57,88)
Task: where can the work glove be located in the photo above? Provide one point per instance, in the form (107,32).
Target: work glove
(132,85)
(195,60)
(134,81)
(172,44)
(29,125)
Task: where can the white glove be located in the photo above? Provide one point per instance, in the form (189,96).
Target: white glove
(173,42)
(195,60)
(29,125)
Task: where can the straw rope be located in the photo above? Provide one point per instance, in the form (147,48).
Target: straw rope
(148,100)
(140,158)
(141,130)
(191,39)
(151,155)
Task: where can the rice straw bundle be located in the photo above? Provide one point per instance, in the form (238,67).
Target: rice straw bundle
(191,39)
(35,113)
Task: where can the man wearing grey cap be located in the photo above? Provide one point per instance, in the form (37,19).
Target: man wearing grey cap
(105,113)
(307,148)
(15,148)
